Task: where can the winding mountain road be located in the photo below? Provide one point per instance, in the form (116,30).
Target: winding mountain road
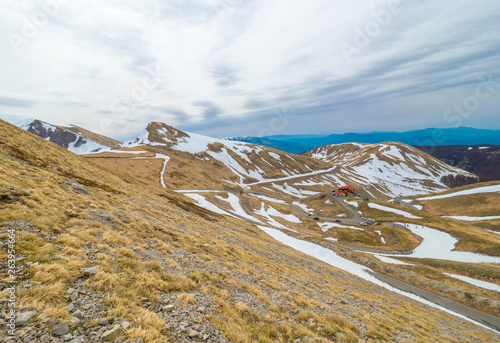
(483,318)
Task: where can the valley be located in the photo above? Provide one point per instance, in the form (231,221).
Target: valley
(254,236)
(303,205)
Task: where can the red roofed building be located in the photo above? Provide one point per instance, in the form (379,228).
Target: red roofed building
(345,191)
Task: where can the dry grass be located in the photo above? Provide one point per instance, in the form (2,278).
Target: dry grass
(240,258)
(473,205)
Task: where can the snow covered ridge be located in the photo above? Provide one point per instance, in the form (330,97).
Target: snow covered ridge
(74,142)
(239,157)
(393,169)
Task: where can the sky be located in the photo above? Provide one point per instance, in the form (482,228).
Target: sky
(251,67)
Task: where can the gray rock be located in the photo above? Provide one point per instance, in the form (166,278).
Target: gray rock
(192,333)
(103,321)
(111,334)
(74,296)
(25,318)
(70,308)
(89,271)
(77,340)
(124,324)
(78,314)
(168,308)
(77,188)
(60,330)
(103,218)
(139,340)
(67,337)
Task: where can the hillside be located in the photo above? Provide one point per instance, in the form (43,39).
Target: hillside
(392,169)
(74,138)
(163,268)
(482,160)
(200,162)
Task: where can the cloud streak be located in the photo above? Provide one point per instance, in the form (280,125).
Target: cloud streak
(227,64)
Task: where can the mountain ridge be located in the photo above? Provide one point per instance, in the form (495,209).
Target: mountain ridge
(424,137)
(72,138)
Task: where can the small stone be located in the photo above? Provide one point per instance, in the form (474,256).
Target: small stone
(67,337)
(201,309)
(125,324)
(78,314)
(70,308)
(168,308)
(89,271)
(77,340)
(111,334)
(103,321)
(192,333)
(74,296)
(60,330)
(139,340)
(25,318)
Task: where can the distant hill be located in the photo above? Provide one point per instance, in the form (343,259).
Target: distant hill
(74,138)
(426,137)
(482,160)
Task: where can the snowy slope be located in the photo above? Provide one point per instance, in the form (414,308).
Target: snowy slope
(392,169)
(68,139)
(249,162)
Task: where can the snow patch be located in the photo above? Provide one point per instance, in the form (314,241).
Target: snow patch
(393,210)
(439,245)
(472,219)
(478,190)
(325,226)
(475,282)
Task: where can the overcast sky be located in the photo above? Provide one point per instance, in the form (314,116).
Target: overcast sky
(251,67)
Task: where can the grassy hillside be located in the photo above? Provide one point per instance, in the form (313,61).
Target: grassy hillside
(162,269)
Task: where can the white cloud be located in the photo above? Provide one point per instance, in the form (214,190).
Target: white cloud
(221,63)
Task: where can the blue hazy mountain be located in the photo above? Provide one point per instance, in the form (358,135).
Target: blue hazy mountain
(298,144)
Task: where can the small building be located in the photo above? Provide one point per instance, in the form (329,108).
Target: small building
(345,191)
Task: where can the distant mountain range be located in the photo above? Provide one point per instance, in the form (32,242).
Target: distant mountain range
(482,160)
(299,144)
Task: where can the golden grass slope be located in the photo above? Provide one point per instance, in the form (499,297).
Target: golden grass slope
(157,246)
(473,205)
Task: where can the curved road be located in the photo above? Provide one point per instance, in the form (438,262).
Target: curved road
(486,319)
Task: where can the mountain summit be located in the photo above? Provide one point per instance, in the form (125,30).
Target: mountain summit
(74,138)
